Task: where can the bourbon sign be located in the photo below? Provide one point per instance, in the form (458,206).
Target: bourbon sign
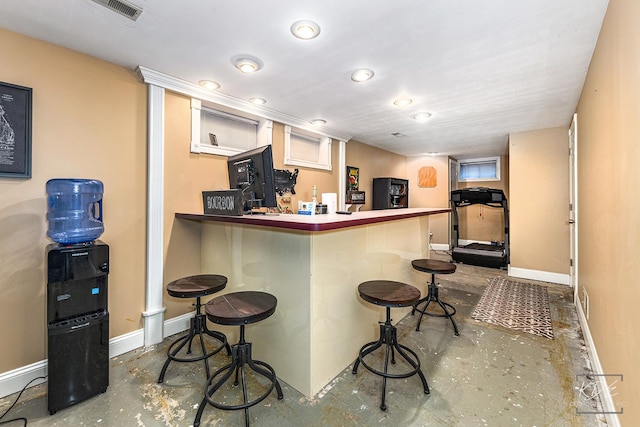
(222,202)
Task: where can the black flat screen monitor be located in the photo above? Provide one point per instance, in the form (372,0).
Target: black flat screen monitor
(252,172)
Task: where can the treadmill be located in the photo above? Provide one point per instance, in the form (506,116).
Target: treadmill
(494,255)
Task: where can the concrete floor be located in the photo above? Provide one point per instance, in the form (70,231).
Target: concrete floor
(488,376)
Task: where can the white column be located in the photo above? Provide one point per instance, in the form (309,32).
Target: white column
(342,178)
(154,310)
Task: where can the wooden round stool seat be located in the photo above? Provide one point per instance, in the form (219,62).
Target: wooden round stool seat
(389,294)
(433,267)
(195,287)
(239,309)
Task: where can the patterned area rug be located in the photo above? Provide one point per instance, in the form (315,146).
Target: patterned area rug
(520,306)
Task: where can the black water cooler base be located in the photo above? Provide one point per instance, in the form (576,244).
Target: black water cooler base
(77,323)
(78,362)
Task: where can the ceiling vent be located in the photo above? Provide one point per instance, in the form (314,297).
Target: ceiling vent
(123,7)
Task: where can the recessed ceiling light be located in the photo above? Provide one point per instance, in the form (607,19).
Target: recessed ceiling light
(421,117)
(318,122)
(305,29)
(362,75)
(247,65)
(209,84)
(402,102)
(258,101)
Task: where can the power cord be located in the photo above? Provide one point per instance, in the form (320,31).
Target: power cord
(16,401)
(439,252)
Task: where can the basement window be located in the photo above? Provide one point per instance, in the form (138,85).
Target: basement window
(306,149)
(481,169)
(225,134)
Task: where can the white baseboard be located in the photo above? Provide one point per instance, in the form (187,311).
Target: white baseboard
(543,276)
(608,405)
(15,380)
(125,343)
(439,246)
(177,324)
(134,340)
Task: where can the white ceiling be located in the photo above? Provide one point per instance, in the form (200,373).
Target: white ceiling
(484,69)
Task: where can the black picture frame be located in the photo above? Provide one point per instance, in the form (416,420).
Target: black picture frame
(15,130)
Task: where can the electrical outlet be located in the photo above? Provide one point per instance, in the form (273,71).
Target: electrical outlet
(585,303)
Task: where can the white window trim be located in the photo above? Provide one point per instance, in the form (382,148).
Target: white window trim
(324,160)
(264,132)
(495,159)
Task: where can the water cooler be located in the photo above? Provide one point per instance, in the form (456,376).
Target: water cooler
(77,285)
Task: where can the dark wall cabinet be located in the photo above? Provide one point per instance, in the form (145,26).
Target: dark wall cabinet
(390,193)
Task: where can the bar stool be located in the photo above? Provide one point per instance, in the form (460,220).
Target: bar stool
(239,309)
(196,287)
(434,267)
(389,294)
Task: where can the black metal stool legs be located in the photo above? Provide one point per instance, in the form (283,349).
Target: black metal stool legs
(197,327)
(389,338)
(447,308)
(240,357)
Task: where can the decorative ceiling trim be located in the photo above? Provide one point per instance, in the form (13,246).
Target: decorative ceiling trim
(173,84)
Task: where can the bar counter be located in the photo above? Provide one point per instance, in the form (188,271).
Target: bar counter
(313,266)
(318,222)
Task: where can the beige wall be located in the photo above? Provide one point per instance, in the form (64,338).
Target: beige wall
(431,197)
(373,163)
(608,206)
(89,121)
(186,176)
(539,202)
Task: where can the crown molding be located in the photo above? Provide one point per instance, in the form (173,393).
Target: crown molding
(173,84)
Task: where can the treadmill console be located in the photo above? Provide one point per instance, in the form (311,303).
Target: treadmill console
(477,195)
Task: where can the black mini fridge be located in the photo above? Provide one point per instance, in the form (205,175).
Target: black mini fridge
(77,323)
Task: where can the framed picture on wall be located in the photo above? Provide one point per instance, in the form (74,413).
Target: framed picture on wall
(353,178)
(15,131)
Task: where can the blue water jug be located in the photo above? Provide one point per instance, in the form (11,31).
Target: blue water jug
(75,210)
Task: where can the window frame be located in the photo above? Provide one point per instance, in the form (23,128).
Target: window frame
(494,159)
(323,161)
(263,134)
